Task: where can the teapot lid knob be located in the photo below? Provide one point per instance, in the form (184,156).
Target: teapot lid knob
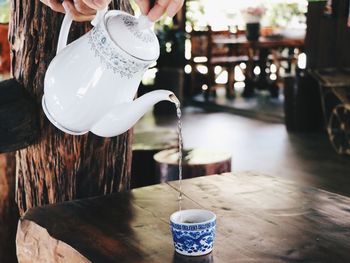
(144,22)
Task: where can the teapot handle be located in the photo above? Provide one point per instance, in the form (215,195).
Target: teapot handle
(66,24)
(99,16)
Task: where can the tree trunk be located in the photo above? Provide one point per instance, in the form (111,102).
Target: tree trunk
(59,166)
(8,209)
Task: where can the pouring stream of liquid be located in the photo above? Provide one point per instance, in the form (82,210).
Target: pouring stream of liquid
(179,132)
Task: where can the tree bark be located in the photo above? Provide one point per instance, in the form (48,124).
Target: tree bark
(59,166)
(8,208)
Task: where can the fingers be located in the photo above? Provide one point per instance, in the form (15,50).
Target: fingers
(76,15)
(82,8)
(55,5)
(96,4)
(158,10)
(144,6)
(174,7)
(171,7)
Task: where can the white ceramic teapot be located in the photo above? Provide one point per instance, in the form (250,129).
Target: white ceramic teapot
(91,83)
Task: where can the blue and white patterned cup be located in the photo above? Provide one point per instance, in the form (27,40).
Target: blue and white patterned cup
(193,231)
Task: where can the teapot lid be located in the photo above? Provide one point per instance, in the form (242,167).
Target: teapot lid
(134,36)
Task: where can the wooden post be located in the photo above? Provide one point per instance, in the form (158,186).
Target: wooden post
(59,166)
(8,209)
(18,117)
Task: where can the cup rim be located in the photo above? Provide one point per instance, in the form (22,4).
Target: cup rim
(212,219)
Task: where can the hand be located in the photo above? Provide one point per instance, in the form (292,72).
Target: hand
(80,10)
(171,7)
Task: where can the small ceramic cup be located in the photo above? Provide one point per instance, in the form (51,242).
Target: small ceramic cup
(193,231)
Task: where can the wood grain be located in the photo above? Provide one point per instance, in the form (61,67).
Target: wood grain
(59,166)
(8,209)
(259,219)
(327,38)
(19,126)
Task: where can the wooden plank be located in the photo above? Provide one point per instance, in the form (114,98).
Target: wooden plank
(320,38)
(343,35)
(259,218)
(327,38)
(333,77)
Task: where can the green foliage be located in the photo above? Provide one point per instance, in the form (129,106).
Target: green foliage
(281,14)
(4,11)
(195,12)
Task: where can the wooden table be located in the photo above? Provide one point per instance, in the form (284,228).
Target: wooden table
(263,42)
(264,46)
(259,219)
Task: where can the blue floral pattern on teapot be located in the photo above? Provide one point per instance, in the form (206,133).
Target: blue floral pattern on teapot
(112,56)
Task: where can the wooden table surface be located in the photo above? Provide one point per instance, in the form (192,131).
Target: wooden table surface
(263,42)
(259,219)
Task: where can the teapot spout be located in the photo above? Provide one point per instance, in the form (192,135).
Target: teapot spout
(123,116)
